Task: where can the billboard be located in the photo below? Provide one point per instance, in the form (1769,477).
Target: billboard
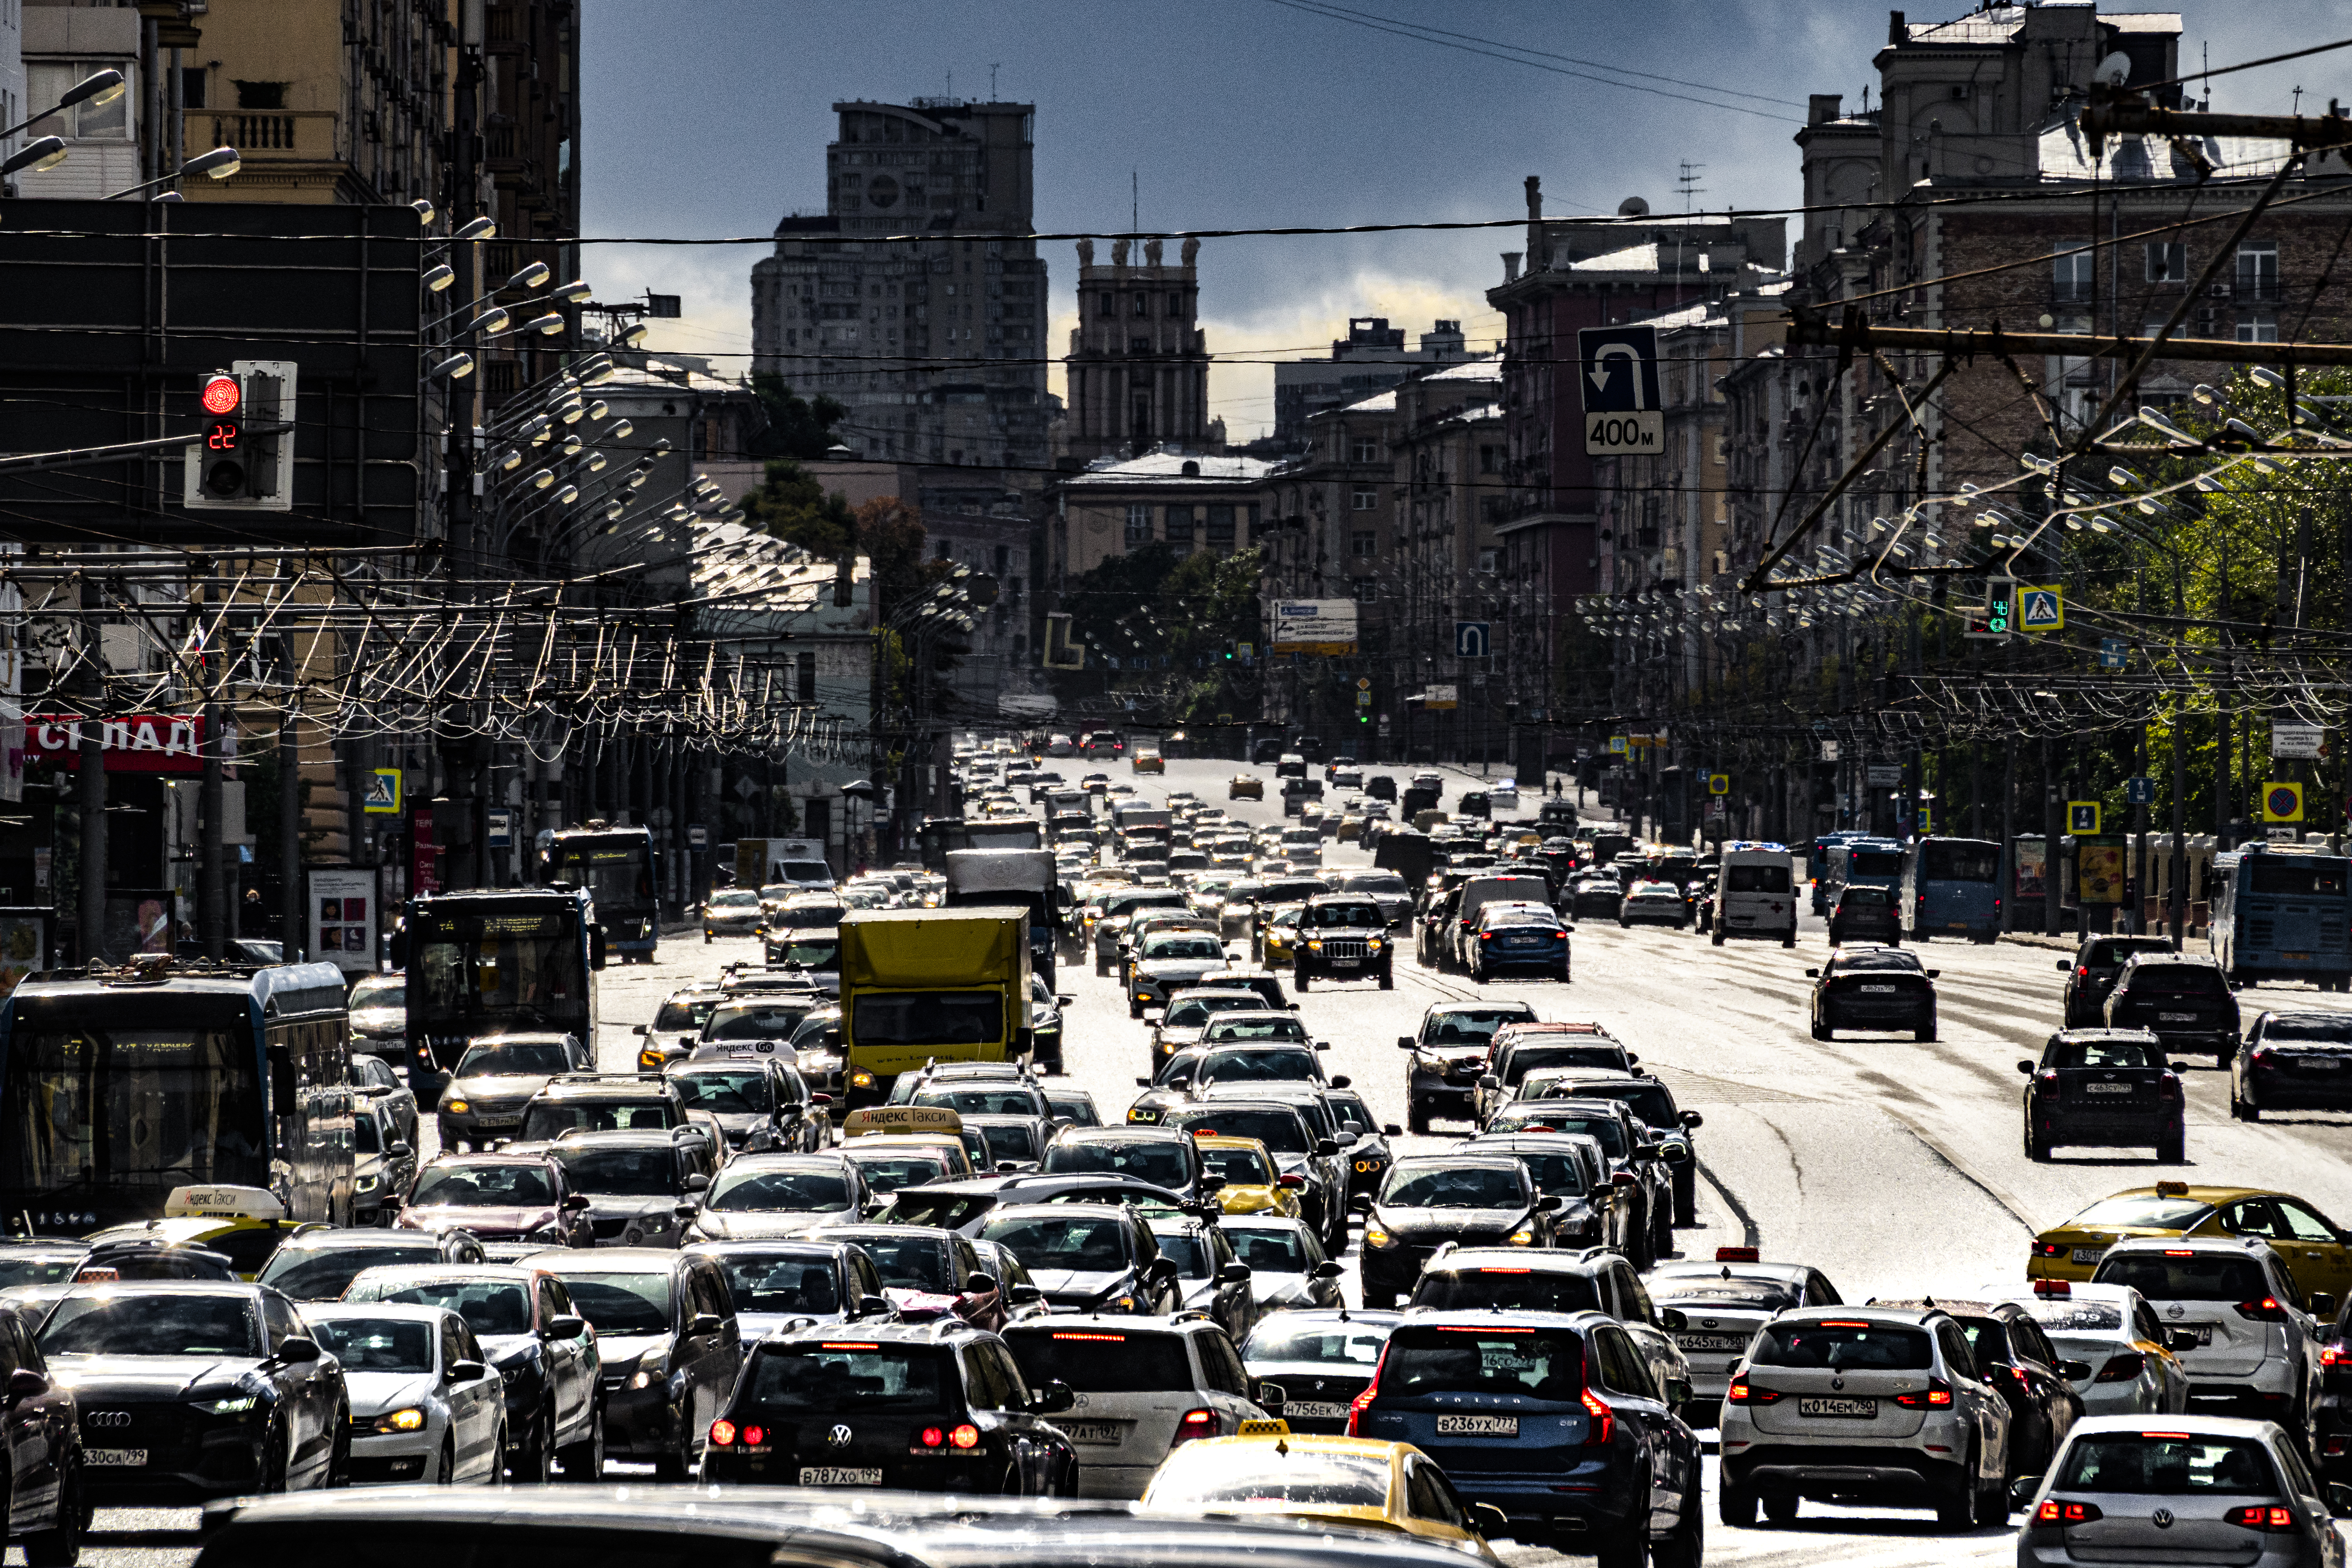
(1314,625)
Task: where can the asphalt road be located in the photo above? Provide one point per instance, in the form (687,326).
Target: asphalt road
(1896,1167)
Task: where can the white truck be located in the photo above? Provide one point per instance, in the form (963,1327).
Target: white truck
(798,863)
(1755,893)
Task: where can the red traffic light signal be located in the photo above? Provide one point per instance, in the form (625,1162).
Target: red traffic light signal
(221,394)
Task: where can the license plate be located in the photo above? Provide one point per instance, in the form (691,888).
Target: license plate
(2108,1088)
(2176,1017)
(119,1457)
(1717,1343)
(1840,1409)
(2089,1254)
(838,1476)
(1878,990)
(2204,1331)
(1956,925)
(1315,1410)
(1478,1426)
(2297,957)
(2320,1064)
(1101,1433)
(515,1121)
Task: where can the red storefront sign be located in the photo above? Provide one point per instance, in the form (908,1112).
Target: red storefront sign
(139,744)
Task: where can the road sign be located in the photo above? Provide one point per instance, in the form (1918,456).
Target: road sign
(382,798)
(2114,653)
(1617,745)
(1363,700)
(1363,683)
(2040,609)
(1829,750)
(2282,801)
(697,837)
(1927,817)
(2139,792)
(1245,651)
(1472,639)
(1884,776)
(498,827)
(1440,697)
(1719,783)
(2082,818)
(2296,740)
(1623,410)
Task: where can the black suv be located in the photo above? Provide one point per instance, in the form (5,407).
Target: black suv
(1344,936)
(1449,1055)
(2185,1001)
(600,1102)
(1874,988)
(1468,1199)
(939,1407)
(2104,1088)
(2091,974)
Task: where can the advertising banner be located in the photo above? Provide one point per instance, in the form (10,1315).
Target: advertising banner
(2099,871)
(343,918)
(2032,860)
(140,743)
(1314,625)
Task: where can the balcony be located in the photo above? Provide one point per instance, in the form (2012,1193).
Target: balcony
(265,136)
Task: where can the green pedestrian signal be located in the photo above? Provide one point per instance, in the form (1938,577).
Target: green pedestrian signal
(2000,617)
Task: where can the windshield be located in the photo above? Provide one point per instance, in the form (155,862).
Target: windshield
(2140,1211)
(1279,1336)
(1651,1103)
(145,1108)
(1076,1241)
(756,1020)
(1351,917)
(158,1323)
(2279,876)
(15,1272)
(679,1016)
(1238,1167)
(1182,946)
(1876,962)
(1511,1289)
(773,1191)
(735,899)
(322,1274)
(2167,1464)
(1006,1099)
(622,1173)
(1536,1364)
(2102,1054)
(1282,1131)
(1865,897)
(889,1173)
(1873,863)
(617,871)
(927,1018)
(2200,1277)
(1605,1131)
(1756,878)
(1467,1026)
(1333,1480)
(621,1303)
(491,1308)
(723,1092)
(376,1344)
(1946,862)
(1258,1066)
(1453,1187)
(484,1186)
(1554,1171)
(911,1262)
(1102,1362)
(1268,1028)
(519,1059)
(1376,882)
(1007,1141)
(474,966)
(1158,1161)
(1525,1060)
(768,1284)
(818,951)
(1195,1011)
(545,1119)
(380,990)
(1843,1347)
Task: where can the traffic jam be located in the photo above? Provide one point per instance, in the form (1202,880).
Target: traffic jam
(1222,1157)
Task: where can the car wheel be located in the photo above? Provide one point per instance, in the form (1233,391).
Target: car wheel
(498,1450)
(1779,1508)
(446,1466)
(678,1465)
(1478,973)
(1388,979)
(1926,1033)
(1135,1009)
(1992,1498)
(1628,1547)
(1417,1120)
(1624,924)
(584,1460)
(1821,1032)
(1736,1506)
(276,1456)
(1956,1508)
(339,1455)
(1101,968)
(2037,1143)
(534,1463)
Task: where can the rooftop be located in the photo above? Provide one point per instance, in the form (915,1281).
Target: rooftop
(1163,465)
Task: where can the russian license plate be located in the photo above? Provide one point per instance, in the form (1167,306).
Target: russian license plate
(1478,1426)
(2296,957)
(515,1121)
(1878,990)
(2088,1254)
(2204,1331)
(116,1457)
(1315,1410)
(1841,1409)
(2176,1017)
(2320,1064)
(1712,1341)
(1100,1433)
(2108,1088)
(838,1476)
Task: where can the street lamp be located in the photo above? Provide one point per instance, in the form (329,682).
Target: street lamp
(99,88)
(44,154)
(219,164)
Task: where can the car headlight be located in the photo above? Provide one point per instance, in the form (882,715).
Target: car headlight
(234,1405)
(1372,942)
(409,1420)
(1375,1236)
(1315,943)
(367,1183)
(1523,1237)
(861,1080)
(457,1108)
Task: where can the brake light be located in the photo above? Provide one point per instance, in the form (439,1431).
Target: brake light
(967,1435)
(2081,971)
(931,1436)
(1362,1402)
(1736,1255)
(2181,1252)
(2049,1250)
(1742,1392)
(2053,1287)
(2266,1310)
(722,1433)
(1485,936)
(1597,1409)
(2264,1517)
(1194,1424)
(1938,1395)
(2066,1513)
(2334,1355)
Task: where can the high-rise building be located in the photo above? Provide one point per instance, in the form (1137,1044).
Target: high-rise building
(935,345)
(1370,360)
(1138,366)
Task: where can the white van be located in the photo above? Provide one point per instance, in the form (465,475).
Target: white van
(1755,893)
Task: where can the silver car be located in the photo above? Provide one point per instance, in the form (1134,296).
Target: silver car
(2207,1489)
(1723,1304)
(2236,1320)
(2114,1330)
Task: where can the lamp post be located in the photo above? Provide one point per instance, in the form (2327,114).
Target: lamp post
(218,164)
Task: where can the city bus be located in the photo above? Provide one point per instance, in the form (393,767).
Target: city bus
(1859,862)
(1951,887)
(2280,914)
(120,1085)
(495,961)
(1817,863)
(616,866)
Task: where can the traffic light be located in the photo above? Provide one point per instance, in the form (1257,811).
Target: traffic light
(221,461)
(1998,620)
(244,459)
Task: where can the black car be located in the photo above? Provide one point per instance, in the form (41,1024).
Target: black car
(1344,936)
(1467,1199)
(671,1348)
(2186,1001)
(1664,1123)
(1864,913)
(761,1103)
(1640,1171)
(2293,1061)
(1590,1280)
(2019,1361)
(1449,1055)
(1519,1049)
(930,1408)
(1088,1257)
(2104,1089)
(1571,1167)
(1367,1158)
(1380,786)
(318,1265)
(49,1501)
(1874,988)
(925,1272)
(2091,974)
(1554,1419)
(1320,1359)
(192,1390)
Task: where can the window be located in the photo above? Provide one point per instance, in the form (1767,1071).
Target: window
(1490,460)
(2258,326)
(2167,262)
(1221,528)
(1110,306)
(1176,307)
(2072,277)
(192,86)
(1142,305)
(1180,526)
(1221,1369)
(47,82)
(2258,278)
(1363,449)
(1364,543)
(2305,1225)
(805,671)
(1490,559)
(1363,498)
(1138,522)
(1367,590)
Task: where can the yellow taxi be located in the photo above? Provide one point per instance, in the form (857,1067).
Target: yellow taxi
(243,1225)
(2314,1249)
(1244,786)
(1334,1480)
(1254,1182)
(1147,763)
(1279,941)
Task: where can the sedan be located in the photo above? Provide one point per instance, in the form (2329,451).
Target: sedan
(1656,903)
(1321,1358)
(1873,988)
(762,1103)
(425,1403)
(1596,896)
(2293,1061)
(732,912)
(1289,1270)
(778,1194)
(1087,1258)
(1214,1282)
(500,1197)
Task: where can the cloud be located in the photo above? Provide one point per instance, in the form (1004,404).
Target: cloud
(714,288)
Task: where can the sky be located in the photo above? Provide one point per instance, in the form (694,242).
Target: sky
(705,119)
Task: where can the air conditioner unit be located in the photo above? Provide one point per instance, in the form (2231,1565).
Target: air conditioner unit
(2219,291)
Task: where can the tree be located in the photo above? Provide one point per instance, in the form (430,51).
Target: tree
(797,426)
(795,508)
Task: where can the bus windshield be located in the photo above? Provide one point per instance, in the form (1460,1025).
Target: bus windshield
(1944,860)
(2296,877)
(615,867)
(143,1110)
(466,967)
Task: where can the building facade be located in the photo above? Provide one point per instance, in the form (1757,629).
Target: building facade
(1370,359)
(937,347)
(1183,501)
(1139,367)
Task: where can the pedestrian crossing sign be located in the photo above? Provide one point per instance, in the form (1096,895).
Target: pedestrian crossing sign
(2040,609)
(382,798)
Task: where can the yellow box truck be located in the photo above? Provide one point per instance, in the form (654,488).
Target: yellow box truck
(920,984)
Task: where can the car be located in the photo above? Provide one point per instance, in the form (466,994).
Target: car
(319,1265)
(1248,1180)
(1552,1418)
(1390,1487)
(1087,1258)
(1449,1055)
(2146,1496)
(1461,1198)
(195,1389)
(1274,935)
(762,1103)
(1262,1047)
(1866,913)
(424,1400)
(383,1162)
(1573,1168)
(671,1347)
(746,1021)
(1723,1303)
(1653,902)
(1596,896)
(1007,1143)
(521,1197)
(2185,1001)
(1872,1405)
(2020,1363)
(889,1162)
(1289,1270)
(1153,1154)
(1646,1190)
(49,1505)
(1320,1357)
(1516,1049)
(495,1079)
(2293,1061)
(374,1080)
(1167,961)
(677,1021)
(1380,786)
(2110,1331)
(2254,1353)
(1343,936)
(936,1406)
(1385,889)
(379,1012)
(2315,1246)
(1664,1124)
(1187,1013)
(2091,974)
(991,1089)
(1268,986)
(641,1187)
(2104,1088)
(600,1102)
(1368,1156)
(1517,936)
(1213,1281)
(1060,746)
(1873,988)
(966,1206)
(1140,1385)
(810,954)
(759,1197)
(778,1285)
(1298,1130)
(1592,1280)
(732,912)
(928,1273)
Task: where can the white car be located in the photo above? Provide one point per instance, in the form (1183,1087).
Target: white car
(427,1404)
(2112,1328)
(1723,1303)
(2232,1311)
(1143,1385)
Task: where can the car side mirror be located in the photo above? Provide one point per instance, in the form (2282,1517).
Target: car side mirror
(1490,1081)
(2322,1305)
(595,947)
(1404,1042)
(1935,974)
(1269,1397)
(2074,1371)
(697,1183)
(1025,1296)
(1679,1390)
(1390,1129)
(400,1151)
(2180,1339)
(1491,1522)
(703,1323)
(1813,974)
(2176,1066)
(2021,1490)
(2340,1499)
(638,1028)
(978,1284)
(685,1211)
(1326,1147)
(1211,1184)
(820,1099)
(1322,1044)
(1672,1320)
(467,1372)
(2026,1068)
(2064,964)
(299,1350)
(1623,1179)
(1064,1000)
(575,1203)
(26,1384)
(1234,1274)
(566,1326)
(1052,1399)
(1326,1269)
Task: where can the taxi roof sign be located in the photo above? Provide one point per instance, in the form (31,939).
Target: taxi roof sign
(1263,1428)
(901,1119)
(218,1202)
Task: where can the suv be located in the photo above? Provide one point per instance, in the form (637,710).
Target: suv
(2107,1087)
(1215,1282)
(1639,1170)
(1594,1279)
(2091,974)
(1449,1055)
(1864,1404)
(2186,1001)
(2236,1320)
(600,1102)
(642,1187)
(1554,1419)
(1664,1124)
(934,1406)
(1142,1384)
(1344,936)
(1168,962)
(1518,1049)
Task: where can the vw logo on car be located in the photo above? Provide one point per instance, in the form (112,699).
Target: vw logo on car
(839,1436)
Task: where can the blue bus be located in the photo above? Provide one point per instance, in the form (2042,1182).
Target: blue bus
(117,1085)
(2280,914)
(1860,862)
(493,961)
(1951,887)
(616,866)
(1817,863)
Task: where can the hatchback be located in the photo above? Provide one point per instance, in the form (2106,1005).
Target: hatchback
(1139,1387)
(2236,1320)
(1874,988)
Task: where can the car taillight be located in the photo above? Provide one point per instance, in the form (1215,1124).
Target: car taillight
(722,1433)
(1362,1402)
(2261,1056)
(931,1436)
(1597,1410)
(2168,1086)
(966,1435)
(2266,1310)
(1195,1424)
(2264,1517)
(1742,1392)
(2064,1513)
(2049,1250)
(2122,1368)
(2336,1355)
(1485,936)
(1937,1396)
(2081,971)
